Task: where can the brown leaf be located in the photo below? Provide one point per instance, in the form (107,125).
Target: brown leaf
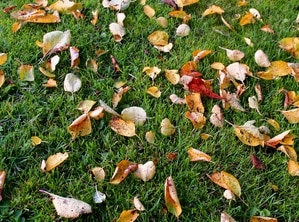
(128,216)
(51,83)
(198,119)
(98,173)
(257,163)
(80,126)
(122,127)
(158,38)
(171,198)
(123,169)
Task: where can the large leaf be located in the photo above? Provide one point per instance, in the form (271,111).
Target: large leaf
(56,41)
(171,198)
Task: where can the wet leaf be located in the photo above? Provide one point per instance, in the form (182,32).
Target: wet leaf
(197,155)
(293,168)
(35,140)
(261,58)
(98,173)
(80,126)
(122,127)
(171,198)
(2,180)
(72,83)
(128,216)
(257,163)
(68,207)
(55,160)
(227,181)
(292,115)
(123,169)
(167,128)
(213,9)
(262,219)
(145,171)
(26,73)
(137,204)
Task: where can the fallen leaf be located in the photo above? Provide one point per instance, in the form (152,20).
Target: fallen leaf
(122,127)
(117,96)
(75,59)
(96,113)
(293,168)
(253,103)
(258,91)
(274,123)
(234,55)
(292,115)
(158,38)
(213,9)
(72,83)
(167,128)
(262,219)
(172,76)
(255,13)
(134,114)
(227,181)
(274,187)
(26,73)
(248,18)
(150,137)
(152,72)
(145,171)
(238,71)
(56,41)
(128,216)
(2,180)
(55,160)
(171,156)
(224,216)
(137,204)
(2,78)
(205,136)
(177,100)
(86,105)
(171,198)
(249,134)
(98,196)
(95,17)
(289,151)
(108,108)
(66,6)
(278,139)
(16,26)
(217,118)
(68,207)
(3,58)
(118,31)
(92,64)
(197,155)
(218,66)
(198,119)
(194,103)
(162,21)
(257,163)
(123,169)
(165,48)
(80,126)
(261,58)
(188,68)
(248,41)
(149,11)
(198,85)
(267,28)
(200,54)
(98,173)
(154,91)
(183,30)
(118,5)
(35,140)
(229,195)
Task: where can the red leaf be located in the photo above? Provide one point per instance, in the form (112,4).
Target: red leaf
(198,85)
(256,162)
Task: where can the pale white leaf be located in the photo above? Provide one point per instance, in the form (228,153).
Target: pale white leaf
(183,30)
(253,103)
(72,83)
(134,114)
(99,197)
(137,204)
(261,58)
(145,171)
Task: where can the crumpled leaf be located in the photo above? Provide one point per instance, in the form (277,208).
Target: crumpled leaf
(167,128)
(86,105)
(123,169)
(75,59)
(255,13)
(149,11)
(35,15)
(96,113)
(128,216)
(117,30)
(177,100)
(293,168)
(182,30)
(134,114)
(118,5)
(98,196)
(80,126)
(227,181)
(292,115)
(226,218)
(117,96)
(279,139)
(2,180)
(68,207)
(262,219)
(194,103)
(256,162)
(165,48)
(231,100)
(171,198)
(258,90)
(198,119)
(197,155)
(152,72)
(55,160)
(217,118)
(253,103)
(72,83)
(98,173)
(145,171)
(122,127)
(137,204)
(158,38)
(35,140)
(55,41)
(213,9)
(261,58)
(26,73)
(234,55)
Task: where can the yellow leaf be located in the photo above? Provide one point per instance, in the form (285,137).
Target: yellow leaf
(218,66)
(47,18)
(213,9)
(289,151)
(200,54)
(198,119)
(274,123)
(292,115)
(55,41)
(167,128)
(150,137)
(123,169)
(154,91)
(80,126)
(279,68)
(3,58)
(162,21)
(242,3)
(293,168)
(171,198)
(26,72)
(66,6)
(227,181)
(50,83)
(95,15)
(262,219)
(35,140)
(248,18)
(149,11)
(205,136)
(86,105)
(247,138)
(158,38)
(178,14)
(128,216)
(194,102)
(290,44)
(172,76)
(152,72)
(98,173)
(197,155)
(189,2)
(16,26)
(2,78)
(55,160)
(122,127)
(96,113)
(46,72)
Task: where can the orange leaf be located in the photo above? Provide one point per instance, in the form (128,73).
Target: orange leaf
(123,169)
(198,119)
(227,181)
(189,68)
(122,127)
(200,54)
(128,216)
(293,168)
(55,160)
(197,155)
(292,115)
(81,126)
(213,9)
(262,219)
(248,18)
(171,198)
(194,102)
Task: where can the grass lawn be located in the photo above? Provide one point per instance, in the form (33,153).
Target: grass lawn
(28,109)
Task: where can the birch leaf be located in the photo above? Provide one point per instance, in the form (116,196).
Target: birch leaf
(172,76)
(26,73)
(145,171)
(171,198)
(123,169)
(154,91)
(128,216)
(72,83)
(289,151)
(56,41)
(197,155)
(238,71)
(80,126)
(35,140)
(293,168)
(68,207)
(55,160)
(122,127)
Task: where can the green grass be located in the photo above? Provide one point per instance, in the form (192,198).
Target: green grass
(28,109)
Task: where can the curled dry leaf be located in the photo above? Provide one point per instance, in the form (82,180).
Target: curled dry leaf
(150,137)
(198,119)
(123,169)
(75,59)
(68,207)
(137,204)
(165,48)
(35,140)
(292,115)
(98,173)
(172,76)
(253,103)
(261,58)
(162,21)
(226,217)
(55,160)
(227,181)
(177,100)
(293,168)
(217,118)
(122,127)
(2,180)
(197,155)
(117,30)
(255,13)
(117,96)
(279,139)
(183,30)
(171,198)
(258,91)
(128,216)
(194,102)
(249,134)
(26,73)
(145,171)
(72,83)
(262,219)
(80,126)
(152,72)
(167,128)
(95,17)
(289,151)
(200,54)
(234,55)
(134,114)
(96,113)
(213,9)
(149,11)
(154,91)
